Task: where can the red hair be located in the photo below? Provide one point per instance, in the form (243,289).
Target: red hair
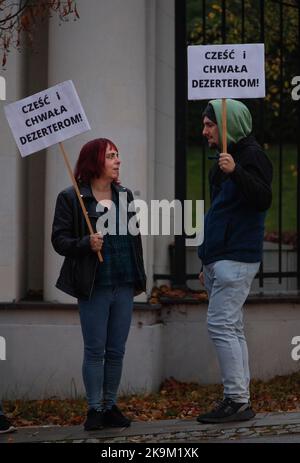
(91,160)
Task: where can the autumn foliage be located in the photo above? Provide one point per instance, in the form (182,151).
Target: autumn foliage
(174,400)
(19,18)
(165,293)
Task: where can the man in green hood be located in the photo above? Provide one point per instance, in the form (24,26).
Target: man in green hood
(240,186)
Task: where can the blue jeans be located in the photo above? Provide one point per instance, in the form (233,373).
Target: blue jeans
(228,284)
(105,323)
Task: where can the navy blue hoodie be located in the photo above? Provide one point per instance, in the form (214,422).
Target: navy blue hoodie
(234,224)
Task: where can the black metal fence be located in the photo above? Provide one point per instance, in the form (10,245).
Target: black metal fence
(276,121)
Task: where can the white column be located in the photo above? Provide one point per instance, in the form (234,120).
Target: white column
(165,121)
(104,53)
(148,242)
(13,192)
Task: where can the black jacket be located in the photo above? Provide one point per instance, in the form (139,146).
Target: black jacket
(234,224)
(70,238)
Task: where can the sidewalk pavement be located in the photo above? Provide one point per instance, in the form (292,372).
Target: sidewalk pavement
(265,427)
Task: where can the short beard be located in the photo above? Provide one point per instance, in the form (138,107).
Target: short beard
(213,146)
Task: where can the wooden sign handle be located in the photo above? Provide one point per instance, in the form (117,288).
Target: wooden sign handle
(87,219)
(224,126)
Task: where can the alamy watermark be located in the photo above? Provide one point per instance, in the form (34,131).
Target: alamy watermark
(295,354)
(2,88)
(2,348)
(296,89)
(159,217)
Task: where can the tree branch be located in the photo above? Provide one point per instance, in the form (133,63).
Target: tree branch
(21,8)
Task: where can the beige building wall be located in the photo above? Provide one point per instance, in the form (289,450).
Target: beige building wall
(13,204)
(164,120)
(120,56)
(105,56)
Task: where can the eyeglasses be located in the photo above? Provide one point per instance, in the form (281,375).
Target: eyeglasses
(112,155)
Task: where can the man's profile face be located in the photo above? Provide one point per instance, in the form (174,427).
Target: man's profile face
(211,132)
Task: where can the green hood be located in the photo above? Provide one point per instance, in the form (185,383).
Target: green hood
(239,120)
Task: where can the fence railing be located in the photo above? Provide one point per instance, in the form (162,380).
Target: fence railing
(277,126)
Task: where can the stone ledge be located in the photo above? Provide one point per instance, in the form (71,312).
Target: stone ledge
(255,299)
(38,305)
(144,306)
(164,429)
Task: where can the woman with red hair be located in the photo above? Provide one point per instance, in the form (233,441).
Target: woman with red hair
(104,290)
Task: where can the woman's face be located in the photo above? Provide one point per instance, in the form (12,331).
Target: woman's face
(112,163)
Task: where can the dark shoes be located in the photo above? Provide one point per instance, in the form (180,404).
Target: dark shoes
(228,410)
(94,420)
(5,425)
(114,418)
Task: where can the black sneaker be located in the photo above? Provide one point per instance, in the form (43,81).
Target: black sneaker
(5,425)
(94,420)
(115,418)
(228,410)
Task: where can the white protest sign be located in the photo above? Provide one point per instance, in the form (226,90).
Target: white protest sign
(46,118)
(226,71)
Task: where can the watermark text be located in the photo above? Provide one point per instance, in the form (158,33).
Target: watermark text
(2,88)
(296,89)
(2,348)
(156,218)
(295,354)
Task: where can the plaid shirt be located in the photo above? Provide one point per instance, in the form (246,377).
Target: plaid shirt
(118,265)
